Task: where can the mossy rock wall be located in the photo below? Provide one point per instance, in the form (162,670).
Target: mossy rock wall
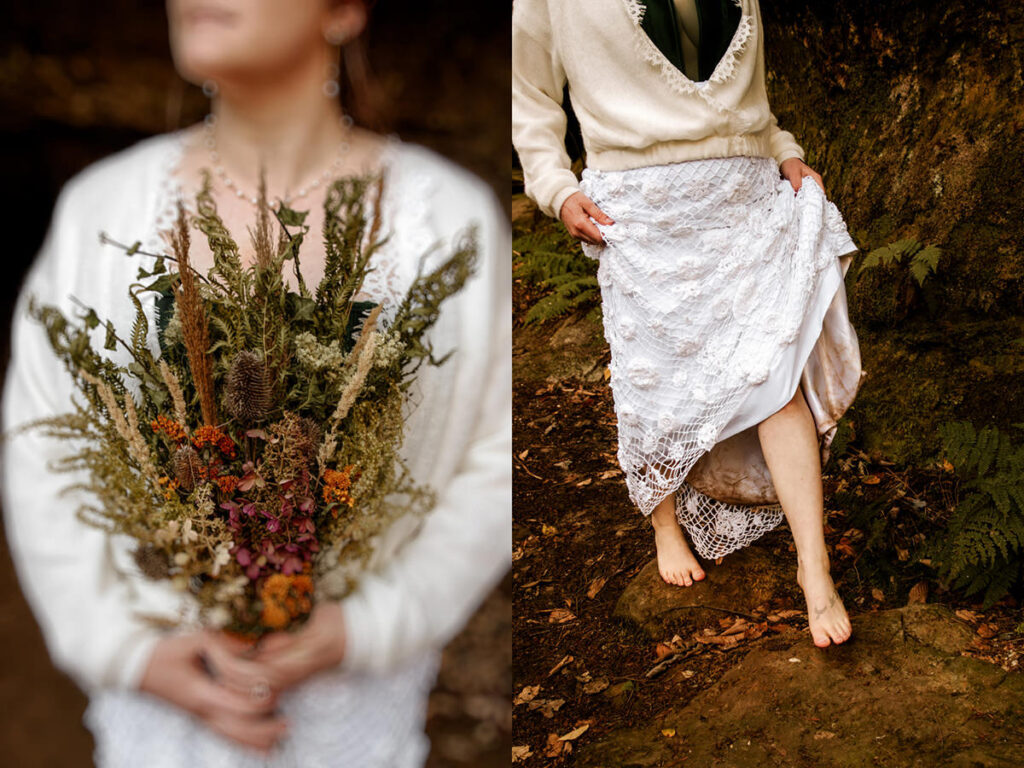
(912,111)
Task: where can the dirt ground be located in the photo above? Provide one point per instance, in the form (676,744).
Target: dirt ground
(587,669)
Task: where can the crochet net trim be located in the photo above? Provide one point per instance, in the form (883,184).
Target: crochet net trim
(706,277)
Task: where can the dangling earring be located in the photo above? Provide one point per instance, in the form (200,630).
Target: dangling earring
(336,35)
(331,86)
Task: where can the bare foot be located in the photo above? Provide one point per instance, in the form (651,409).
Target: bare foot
(825,611)
(676,562)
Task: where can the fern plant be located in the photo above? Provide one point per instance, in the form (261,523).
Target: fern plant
(921,260)
(982,546)
(892,280)
(551,258)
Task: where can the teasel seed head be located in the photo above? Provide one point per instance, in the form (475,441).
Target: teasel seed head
(152,561)
(247,392)
(187,467)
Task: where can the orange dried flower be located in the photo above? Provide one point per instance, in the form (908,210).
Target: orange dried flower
(170,486)
(285,598)
(169,427)
(337,486)
(227,484)
(207,435)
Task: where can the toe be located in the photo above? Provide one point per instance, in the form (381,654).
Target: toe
(698,574)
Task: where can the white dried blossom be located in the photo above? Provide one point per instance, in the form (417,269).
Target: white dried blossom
(315,356)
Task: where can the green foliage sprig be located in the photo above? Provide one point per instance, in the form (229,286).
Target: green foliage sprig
(982,546)
(550,258)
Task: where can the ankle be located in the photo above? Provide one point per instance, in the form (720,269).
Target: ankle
(665,522)
(815,563)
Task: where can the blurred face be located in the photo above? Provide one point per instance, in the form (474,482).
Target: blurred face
(226,40)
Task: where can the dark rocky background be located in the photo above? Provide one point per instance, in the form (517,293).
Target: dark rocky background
(81,80)
(912,111)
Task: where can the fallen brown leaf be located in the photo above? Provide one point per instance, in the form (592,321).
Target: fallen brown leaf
(521,753)
(738,627)
(918,593)
(595,686)
(988,630)
(529,693)
(561,615)
(575,733)
(661,650)
(547,707)
(727,641)
(596,586)
(555,746)
(567,659)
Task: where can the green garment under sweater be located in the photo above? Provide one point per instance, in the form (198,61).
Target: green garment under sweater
(693,34)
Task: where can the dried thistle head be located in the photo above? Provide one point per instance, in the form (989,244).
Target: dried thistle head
(152,562)
(247,390)
(187,467)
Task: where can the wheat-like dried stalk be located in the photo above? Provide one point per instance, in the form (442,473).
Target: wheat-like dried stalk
(177,396)
(363,353)
(127,428)
(193,321)
(261,236)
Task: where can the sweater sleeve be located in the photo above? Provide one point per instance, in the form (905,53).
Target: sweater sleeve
(63,565)
(424,595)
(538,121)
(783,144)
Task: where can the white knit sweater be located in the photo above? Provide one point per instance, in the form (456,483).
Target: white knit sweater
(635,108)
(426,581)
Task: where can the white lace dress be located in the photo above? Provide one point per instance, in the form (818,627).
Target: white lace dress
(426,578)
(721,290)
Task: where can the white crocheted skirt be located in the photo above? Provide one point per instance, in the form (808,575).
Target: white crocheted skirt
(722,292)
(337,719)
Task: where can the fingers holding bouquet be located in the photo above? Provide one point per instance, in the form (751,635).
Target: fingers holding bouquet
(176,674)
(279,660)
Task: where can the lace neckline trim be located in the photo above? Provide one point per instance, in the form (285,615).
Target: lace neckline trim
(725,70)
(169,188)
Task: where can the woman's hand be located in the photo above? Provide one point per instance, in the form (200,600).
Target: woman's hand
(576,213)
(281,659)
(794,169)
(176,674)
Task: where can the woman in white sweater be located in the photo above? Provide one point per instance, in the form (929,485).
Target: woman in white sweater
(350,688)
(722,281)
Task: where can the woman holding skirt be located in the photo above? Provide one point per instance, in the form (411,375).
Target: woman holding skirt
(721,268)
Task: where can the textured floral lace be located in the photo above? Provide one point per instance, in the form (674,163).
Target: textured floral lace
(706,277)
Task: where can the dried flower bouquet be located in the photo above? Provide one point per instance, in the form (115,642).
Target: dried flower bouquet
(252,452)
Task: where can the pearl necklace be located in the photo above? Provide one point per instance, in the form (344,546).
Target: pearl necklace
(211,144)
